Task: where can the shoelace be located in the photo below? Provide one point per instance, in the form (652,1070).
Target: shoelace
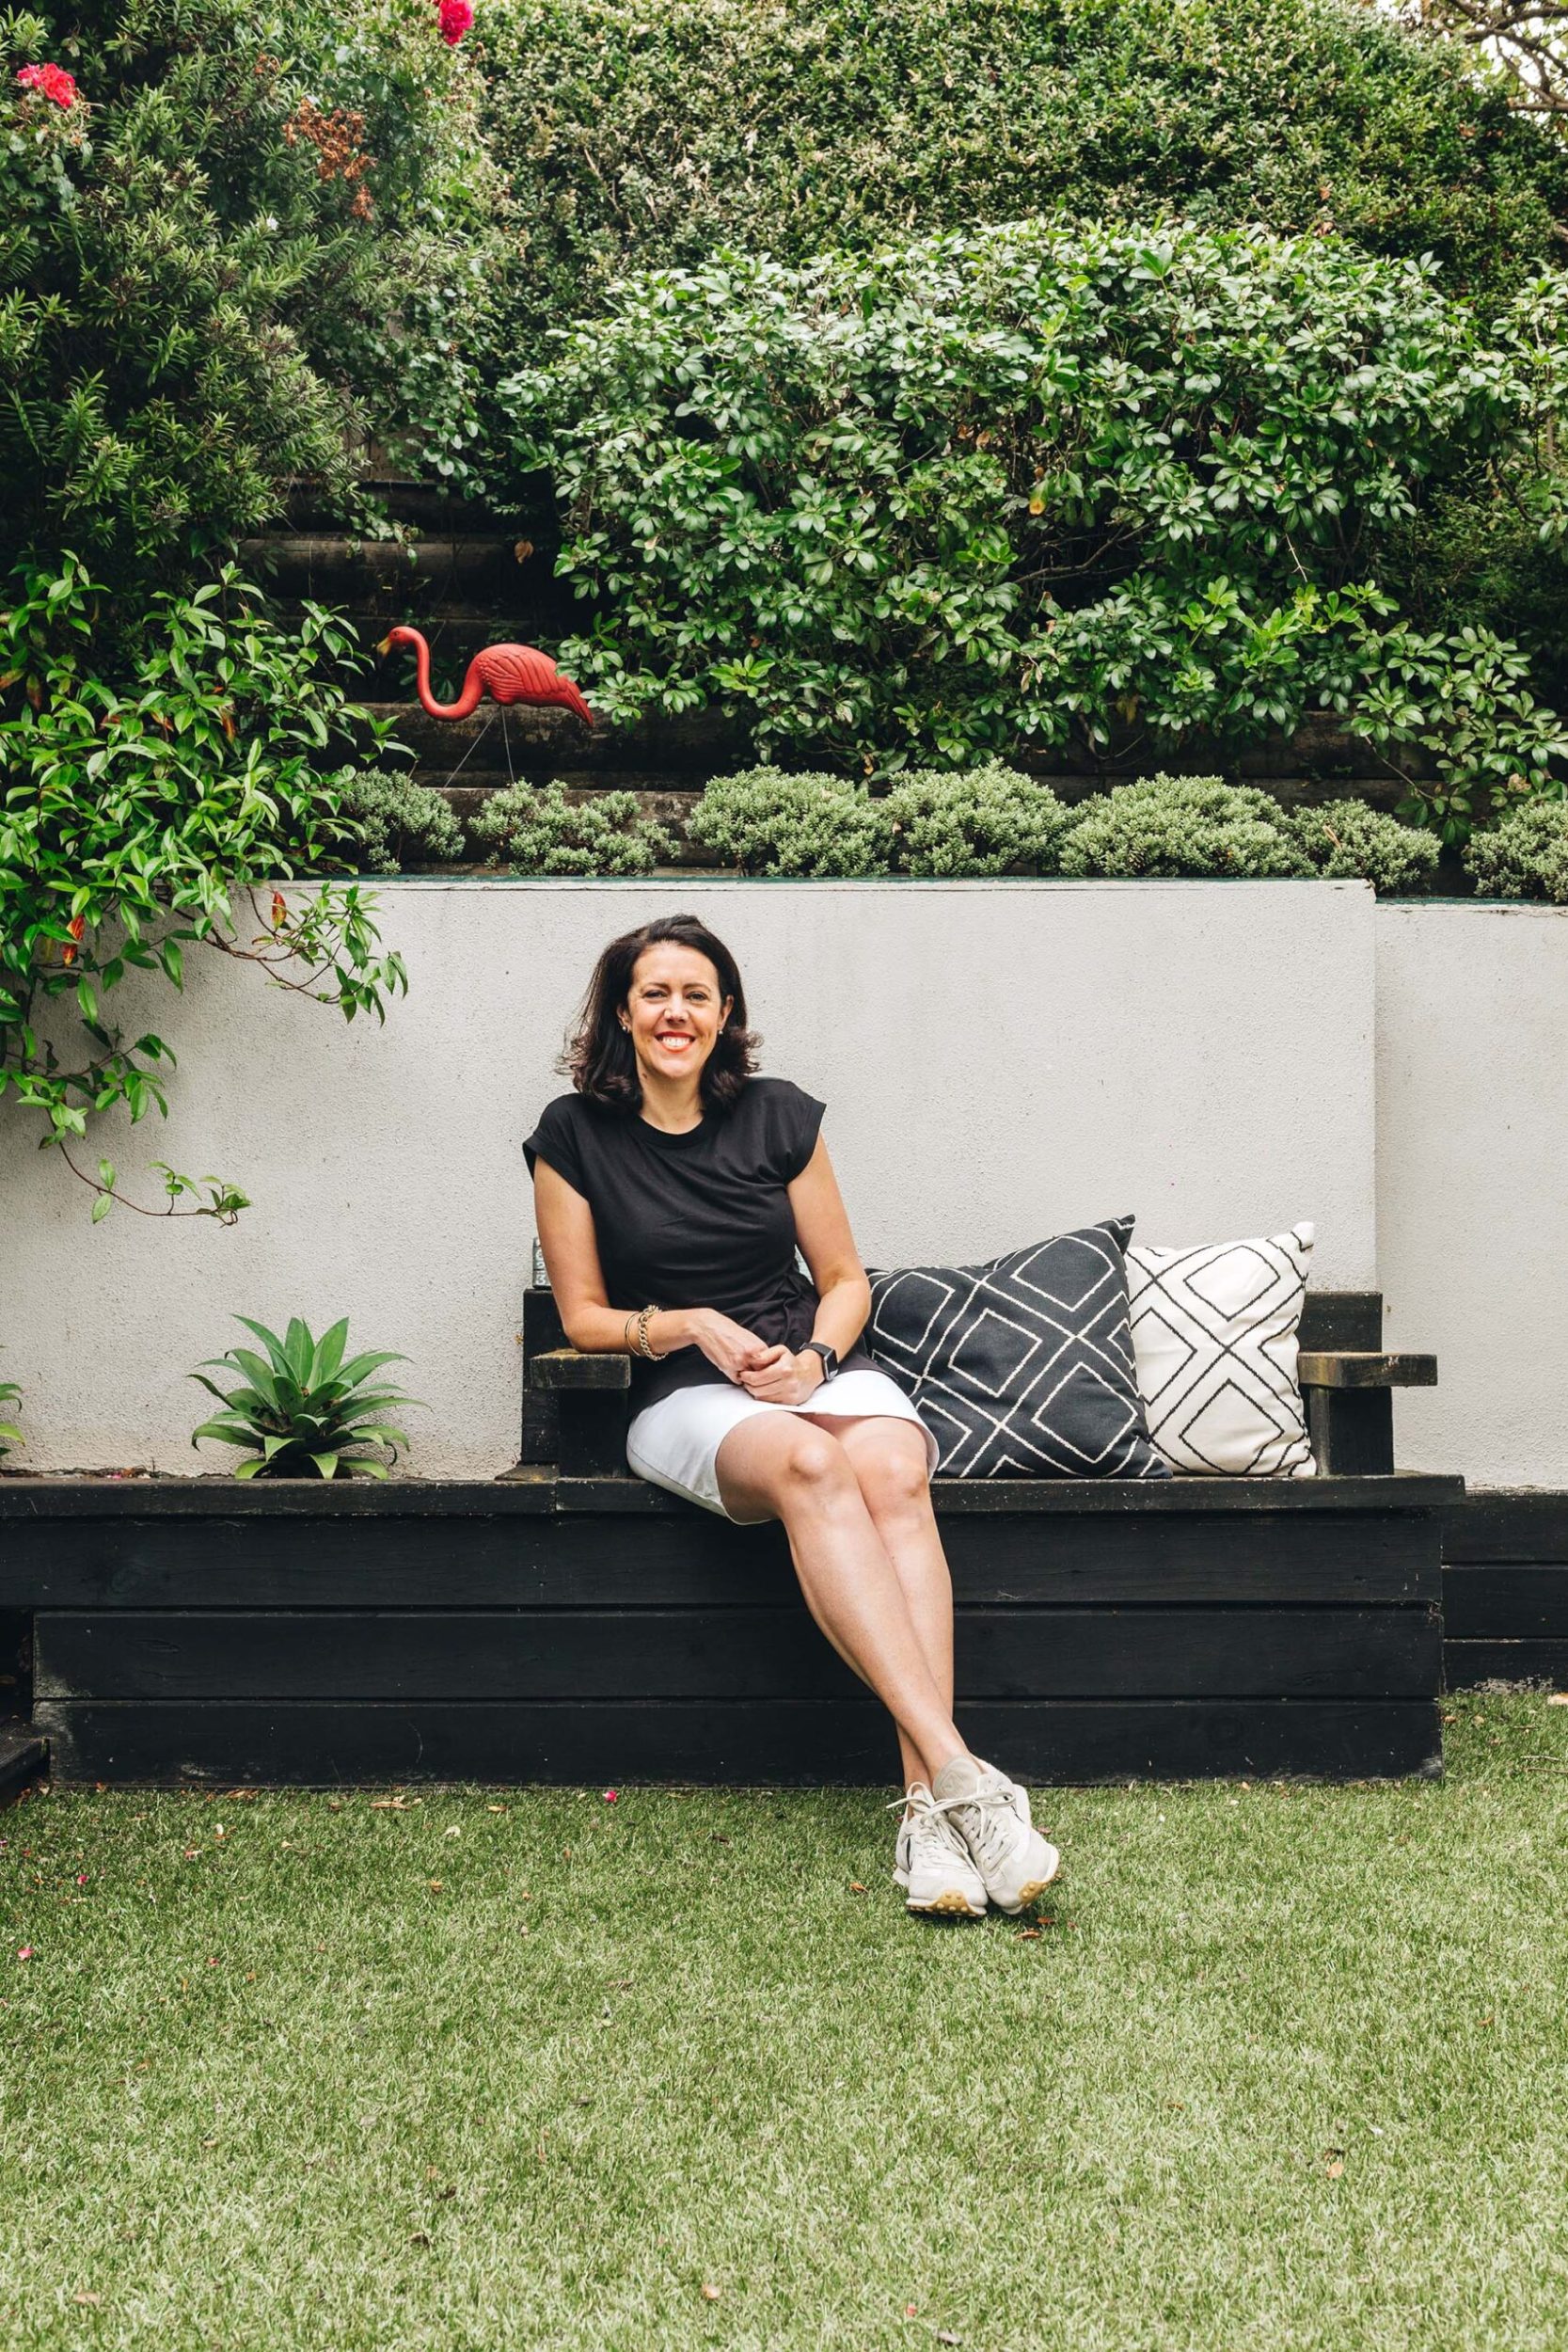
(987,1841)
(928,1816)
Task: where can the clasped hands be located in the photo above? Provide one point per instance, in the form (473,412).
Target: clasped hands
(775,1375)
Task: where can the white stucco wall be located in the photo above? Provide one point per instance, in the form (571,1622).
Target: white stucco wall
(999,1061)
(1472,1133)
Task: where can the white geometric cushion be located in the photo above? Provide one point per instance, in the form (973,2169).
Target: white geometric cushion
(1215,1339)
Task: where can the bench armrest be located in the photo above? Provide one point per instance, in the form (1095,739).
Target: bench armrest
(1349,1406)
(563,1368)
(1362,1369)
(591,1396)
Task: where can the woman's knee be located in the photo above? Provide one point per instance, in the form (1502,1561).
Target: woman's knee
(893,1474)
(815,1466)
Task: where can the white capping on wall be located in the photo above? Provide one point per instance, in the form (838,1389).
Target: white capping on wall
(999,1061)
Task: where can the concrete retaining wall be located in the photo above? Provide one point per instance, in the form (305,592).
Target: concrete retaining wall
(999,1061)
(1472,1156)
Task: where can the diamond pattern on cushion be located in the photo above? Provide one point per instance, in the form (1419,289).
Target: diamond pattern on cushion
(1030,1373)
(1214,1334)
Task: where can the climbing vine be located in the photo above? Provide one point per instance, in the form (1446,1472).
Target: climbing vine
(142,821)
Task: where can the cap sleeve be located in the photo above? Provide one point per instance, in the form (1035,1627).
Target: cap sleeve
(800,1121)
(556,1140)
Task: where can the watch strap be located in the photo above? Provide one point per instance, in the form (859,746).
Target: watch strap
(828,1354)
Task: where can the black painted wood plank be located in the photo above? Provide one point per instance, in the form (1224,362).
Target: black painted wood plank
(759,1653)
(1369,1559)
(1364,1368)
(747,1743)
(1512,1603)
(1467,1662)
(1352,1432)
(25,1500)
(569,1368)
(1052,1498)
(1523,1524)
(1334,1319)
(535,1491)
(24,1759)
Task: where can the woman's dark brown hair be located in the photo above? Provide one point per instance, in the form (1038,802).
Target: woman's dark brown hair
(599,1057)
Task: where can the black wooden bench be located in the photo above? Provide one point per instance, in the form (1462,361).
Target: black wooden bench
(569,1623)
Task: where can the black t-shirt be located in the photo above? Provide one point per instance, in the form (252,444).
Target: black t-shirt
(700,1219)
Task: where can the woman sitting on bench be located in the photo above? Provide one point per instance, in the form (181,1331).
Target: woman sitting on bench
(671,1190)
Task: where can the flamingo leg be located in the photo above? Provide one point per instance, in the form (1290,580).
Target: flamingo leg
(472,748)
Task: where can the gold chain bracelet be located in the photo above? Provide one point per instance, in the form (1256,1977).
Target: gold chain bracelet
(653,1355)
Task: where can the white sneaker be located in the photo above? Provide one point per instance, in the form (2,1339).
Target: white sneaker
(932,1863)
(990,1814)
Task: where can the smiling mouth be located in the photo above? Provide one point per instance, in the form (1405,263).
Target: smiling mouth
(674,1038)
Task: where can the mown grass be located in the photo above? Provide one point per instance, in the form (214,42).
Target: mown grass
(1282,2067)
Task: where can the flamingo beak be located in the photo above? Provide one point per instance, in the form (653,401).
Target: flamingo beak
(386,646)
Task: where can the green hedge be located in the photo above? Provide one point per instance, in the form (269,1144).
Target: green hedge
(1524,857)
(992,820)
(1029,484)
(649,132)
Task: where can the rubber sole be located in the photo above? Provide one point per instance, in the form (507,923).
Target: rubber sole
(950,1904)
(1031,1891)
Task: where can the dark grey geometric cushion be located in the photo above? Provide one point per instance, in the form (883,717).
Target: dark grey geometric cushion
(1023,1367)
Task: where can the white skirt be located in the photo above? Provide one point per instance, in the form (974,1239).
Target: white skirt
(676,1441)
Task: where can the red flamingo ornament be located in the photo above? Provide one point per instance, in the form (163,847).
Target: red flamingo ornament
(508,673)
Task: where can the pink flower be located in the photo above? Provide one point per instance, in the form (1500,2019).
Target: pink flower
(25,1952)
(611,1795)
(56,83)
(457,16)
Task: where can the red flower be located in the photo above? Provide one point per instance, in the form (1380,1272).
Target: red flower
(76,926)
(457,16)
(56,83)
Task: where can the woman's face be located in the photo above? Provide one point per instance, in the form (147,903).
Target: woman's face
(674,1009)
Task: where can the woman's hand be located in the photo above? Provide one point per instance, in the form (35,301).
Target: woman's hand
(722,1340)
(779,1377)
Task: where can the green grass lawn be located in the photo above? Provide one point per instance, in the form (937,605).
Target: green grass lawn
(1280,2067)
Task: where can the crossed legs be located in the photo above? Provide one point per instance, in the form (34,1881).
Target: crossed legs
(856,1507)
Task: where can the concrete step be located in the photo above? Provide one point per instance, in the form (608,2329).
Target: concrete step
(24,1759)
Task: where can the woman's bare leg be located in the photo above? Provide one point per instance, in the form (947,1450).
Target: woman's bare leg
(778,1464)
(889,1460)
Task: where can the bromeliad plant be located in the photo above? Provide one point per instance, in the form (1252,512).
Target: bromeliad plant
(300,1407)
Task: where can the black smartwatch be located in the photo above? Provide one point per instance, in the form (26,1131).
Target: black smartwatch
(828,1355)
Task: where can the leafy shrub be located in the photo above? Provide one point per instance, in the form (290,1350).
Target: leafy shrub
(1347,841)
(647,134)
(215,268)
(1526,856)
(300,1407)
(1195,825)
(1029,484)
(537,831)
(762,821)
(136,817)
(10,1433)
(393,822)
(981,821)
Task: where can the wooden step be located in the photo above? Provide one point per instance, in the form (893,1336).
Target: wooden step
(24,1759)
(376,574)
